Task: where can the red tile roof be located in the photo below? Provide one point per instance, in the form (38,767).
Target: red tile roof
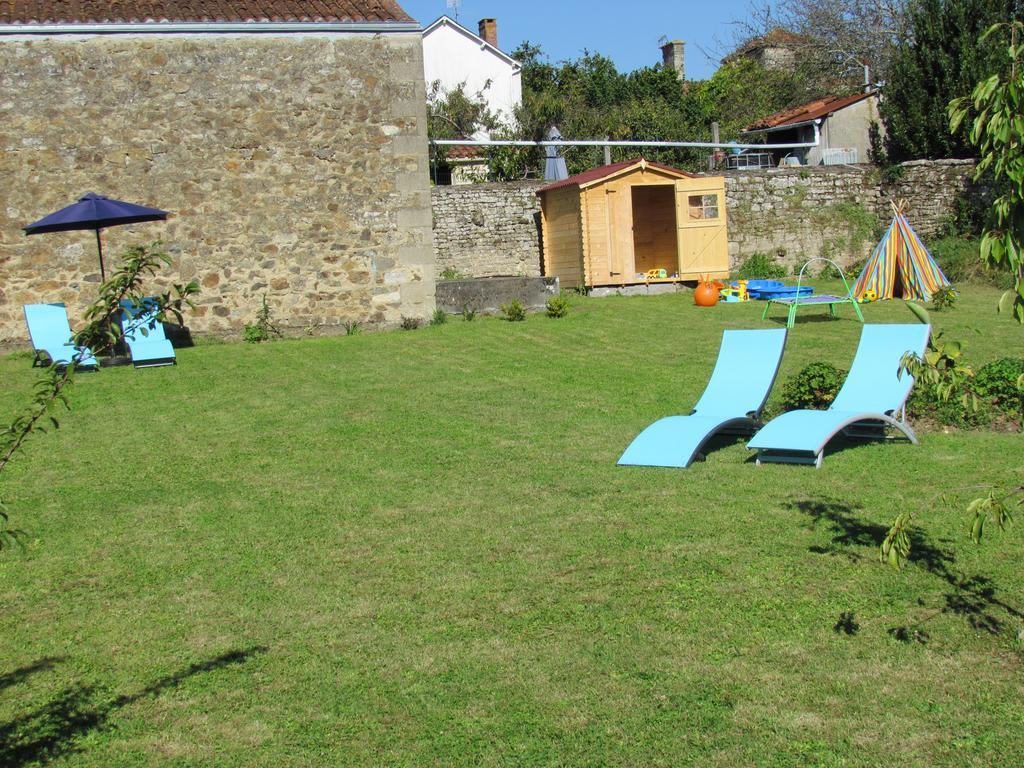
(807,112)
(138,11)
(603,171)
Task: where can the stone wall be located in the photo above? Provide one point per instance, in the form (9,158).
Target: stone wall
(792,214)
(483,230)
(295,166)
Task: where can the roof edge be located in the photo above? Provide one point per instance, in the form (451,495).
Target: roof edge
(208,27)
(445,21)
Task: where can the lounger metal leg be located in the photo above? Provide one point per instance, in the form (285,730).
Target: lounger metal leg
(856,308)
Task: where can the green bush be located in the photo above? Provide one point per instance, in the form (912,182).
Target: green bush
(944,298)
(557,306)
(814,387)
(353,327)
(959,258)
(440,317)
(514,311)
(760,266)
(999,382)
(468,313)
(264,328)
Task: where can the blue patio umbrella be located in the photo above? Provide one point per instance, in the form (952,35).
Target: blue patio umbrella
(95,212)
(554,165)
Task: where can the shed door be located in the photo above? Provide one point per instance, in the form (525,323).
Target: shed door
(620,231)
(700,217)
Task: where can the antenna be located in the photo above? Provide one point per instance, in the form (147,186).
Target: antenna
(455,6)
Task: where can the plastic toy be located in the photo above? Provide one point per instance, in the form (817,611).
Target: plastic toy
(656,274)
(733,295)
(868,296)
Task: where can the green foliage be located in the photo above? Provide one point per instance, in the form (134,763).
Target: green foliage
(101,336)
(939,60)
(411,323)
(450,273)
(944,298)
(468,313)
(760,266)
(943,383)
(557,306)
(514,311)
(353,327)
(264,328)
(997,131)
(440,317)
(814,387)
(1002,383)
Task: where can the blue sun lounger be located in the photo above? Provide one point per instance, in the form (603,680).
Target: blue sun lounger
(748,362)
(50,332)
(144,335)
(873,395)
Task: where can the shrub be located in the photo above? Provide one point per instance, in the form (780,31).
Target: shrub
(760,266)
(1000,382)
(450,273)
(813,387)
(944,298)
(557,306)
(353,328)
(514,311)
(960,260)
(468,313)
(411,323)
(263,329)
(440,317)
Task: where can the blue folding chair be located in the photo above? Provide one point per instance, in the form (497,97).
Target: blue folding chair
(144,335)
(50,332)
(874,395)
(748,362)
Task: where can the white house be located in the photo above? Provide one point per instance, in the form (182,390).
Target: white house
(455,56)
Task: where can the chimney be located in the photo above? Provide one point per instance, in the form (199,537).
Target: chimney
(489,31)
(672,56)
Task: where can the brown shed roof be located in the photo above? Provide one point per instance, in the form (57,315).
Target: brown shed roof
(140,11)
(604,171)
(807,112)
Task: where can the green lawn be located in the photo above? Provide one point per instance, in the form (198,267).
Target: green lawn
(415,548)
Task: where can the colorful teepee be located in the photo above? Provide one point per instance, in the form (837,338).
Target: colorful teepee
(900,266)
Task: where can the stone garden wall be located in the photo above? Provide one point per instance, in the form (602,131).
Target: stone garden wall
(790,214)
(295,167)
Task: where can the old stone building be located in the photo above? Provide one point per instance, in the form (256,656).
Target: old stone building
(290,148)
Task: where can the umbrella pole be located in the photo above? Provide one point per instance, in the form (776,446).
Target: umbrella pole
(99,247)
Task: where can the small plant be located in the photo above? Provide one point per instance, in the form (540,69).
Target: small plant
(944,384)
(813,387)
(514,311)
(760,266)
(468,313)
(557,306)
(451,273)
(353,327)
(411,323)
(944,298)
(440,317)
(1002,382)
(264,328)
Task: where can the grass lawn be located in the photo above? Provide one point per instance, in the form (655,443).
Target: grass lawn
(415,548)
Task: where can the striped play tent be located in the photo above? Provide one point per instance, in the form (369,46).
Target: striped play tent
(900,266)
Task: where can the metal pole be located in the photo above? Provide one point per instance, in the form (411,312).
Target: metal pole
(99,247)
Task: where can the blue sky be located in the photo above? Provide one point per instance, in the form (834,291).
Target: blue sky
(627,32)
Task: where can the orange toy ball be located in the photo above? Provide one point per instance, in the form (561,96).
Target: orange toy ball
(705,295)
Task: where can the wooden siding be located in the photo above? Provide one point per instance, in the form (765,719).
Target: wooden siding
(560,225)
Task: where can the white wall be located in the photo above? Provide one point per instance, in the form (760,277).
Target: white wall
(453,57)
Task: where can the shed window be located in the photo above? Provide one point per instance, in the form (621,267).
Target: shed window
(703,206)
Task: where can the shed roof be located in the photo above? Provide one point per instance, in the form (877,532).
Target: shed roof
(807,112)
(602,172)
(140,11)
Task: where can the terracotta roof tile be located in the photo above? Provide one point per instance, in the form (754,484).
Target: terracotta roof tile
(806,112)
(138,11)
(603,171)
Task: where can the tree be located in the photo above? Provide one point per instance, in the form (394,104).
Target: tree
(938,60)
(51,391)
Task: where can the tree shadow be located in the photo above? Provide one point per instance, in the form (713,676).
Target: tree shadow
(21,673)
(973,597)
(51,730)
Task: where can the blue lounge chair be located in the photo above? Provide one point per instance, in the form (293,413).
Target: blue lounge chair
(50,332)
(874,395)
(144,335)
(747,365)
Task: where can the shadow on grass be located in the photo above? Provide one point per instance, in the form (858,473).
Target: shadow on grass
(22,673)
(51,730)
(973,597)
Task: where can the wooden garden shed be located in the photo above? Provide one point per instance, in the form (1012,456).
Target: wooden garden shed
(631,222)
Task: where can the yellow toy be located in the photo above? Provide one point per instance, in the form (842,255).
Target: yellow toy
(657,274)
(868,296)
